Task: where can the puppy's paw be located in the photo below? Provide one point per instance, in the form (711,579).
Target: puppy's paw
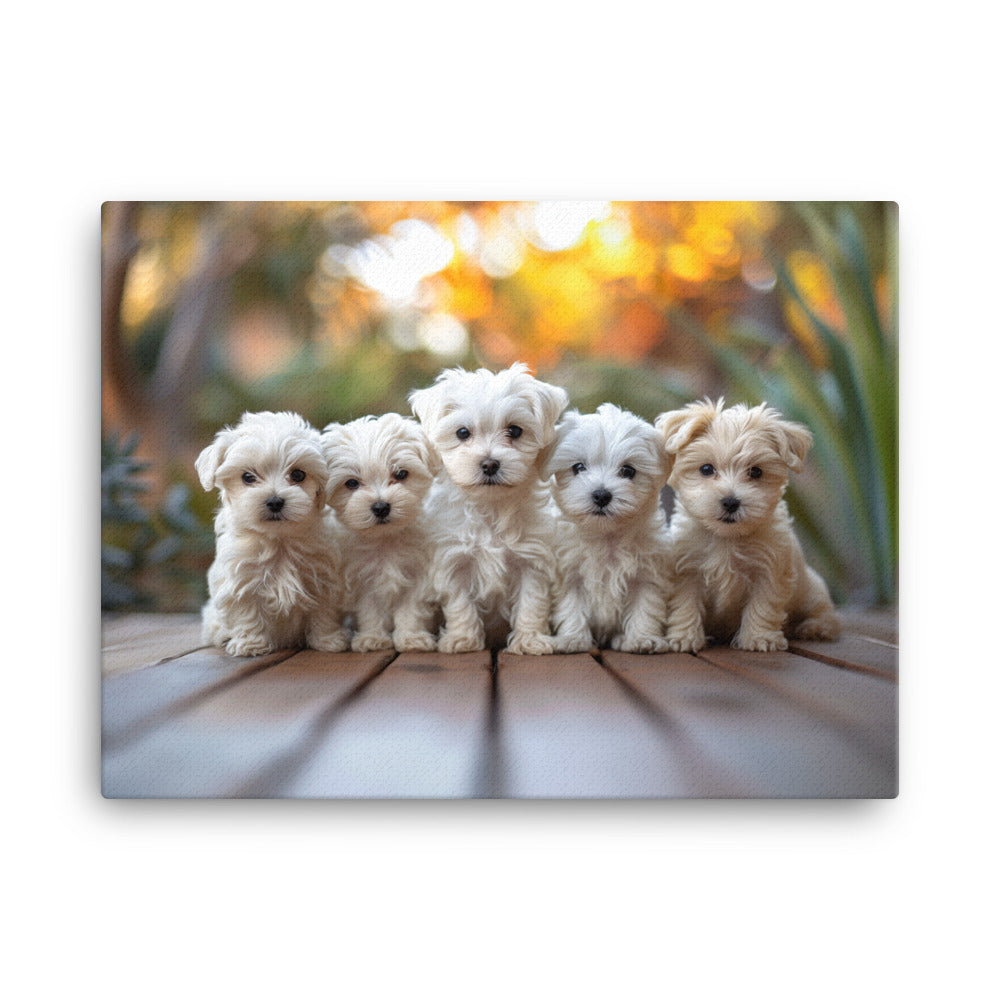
(685,642)
(826,627)
(760,642)
(578,642)
(531,644)
(640,644)
(460,642)
(414,642)
(371,642)
(248,645)
(338,641)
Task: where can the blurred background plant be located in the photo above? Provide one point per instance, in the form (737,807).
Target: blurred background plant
(152,555)
(338,309)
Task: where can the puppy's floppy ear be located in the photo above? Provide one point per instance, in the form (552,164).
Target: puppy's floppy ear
(548,402)
(667,458)
(208,462)
(431,404)
(794,441)
(426,404)
(334,437)
(418,437)
(569,420)
(679,428)
(428,453)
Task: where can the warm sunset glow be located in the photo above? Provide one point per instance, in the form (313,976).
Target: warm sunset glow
(547,278)
(688,263)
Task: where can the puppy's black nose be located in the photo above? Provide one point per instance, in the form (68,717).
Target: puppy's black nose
(275,504)
(731,504)
(601,498)
(381,509)
(490,467)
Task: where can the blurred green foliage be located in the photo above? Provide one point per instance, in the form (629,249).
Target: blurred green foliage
(149,553)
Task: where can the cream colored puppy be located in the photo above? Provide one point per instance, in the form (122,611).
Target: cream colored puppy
(611,546)
(275,580)
(738,572)
(493,566)
(380,472)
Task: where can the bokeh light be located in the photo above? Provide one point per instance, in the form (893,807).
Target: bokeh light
(558,225)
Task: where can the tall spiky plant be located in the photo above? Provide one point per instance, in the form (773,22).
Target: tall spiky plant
(849,514)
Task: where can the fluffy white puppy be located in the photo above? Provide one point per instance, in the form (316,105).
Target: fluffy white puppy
(738,569)
(493,567)
(611,547)
(380,472)
(274,583)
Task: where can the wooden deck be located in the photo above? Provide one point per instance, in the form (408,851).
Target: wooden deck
(183,721)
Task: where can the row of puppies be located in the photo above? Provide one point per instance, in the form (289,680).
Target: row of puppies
(494,522)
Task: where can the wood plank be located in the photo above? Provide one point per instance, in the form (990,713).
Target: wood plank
(567,728)
(725,723)
(863,704)
(874,623)
(753,739)
(135,701)
(852,652)
(869,643)
(842,725)
(136,640)
(419,730)
(194,728)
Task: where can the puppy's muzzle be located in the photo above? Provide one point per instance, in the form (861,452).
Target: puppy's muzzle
(601,500)
(730,505)
(274,506)
(490,468)
(380,509)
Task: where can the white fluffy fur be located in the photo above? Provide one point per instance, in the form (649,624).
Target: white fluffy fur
(380,472)
(493,566)
(737,568)
(611,547)
(274,583)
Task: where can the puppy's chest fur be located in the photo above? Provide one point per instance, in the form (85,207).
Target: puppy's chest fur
(492,559)
(605,572)
(725,571)
(391,563)
(287,578)
(726,574)
(487,552)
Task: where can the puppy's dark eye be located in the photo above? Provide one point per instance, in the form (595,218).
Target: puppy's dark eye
(296,475)
(756,472)
(352,484)
(626,472)
(400,474)
(463,434)
(578,468)
(514,431)
(249,478)
(707,470)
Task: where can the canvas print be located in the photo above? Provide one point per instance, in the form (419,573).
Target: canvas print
(549,500)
